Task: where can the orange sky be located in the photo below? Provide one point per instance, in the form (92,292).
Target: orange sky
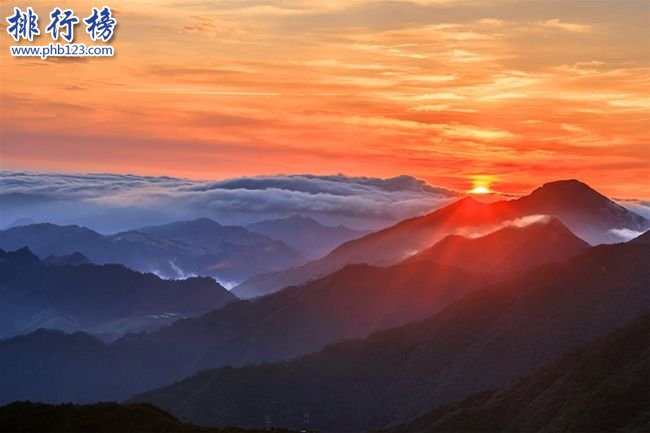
(516,92)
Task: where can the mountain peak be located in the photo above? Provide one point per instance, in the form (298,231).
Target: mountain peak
(74,259)
(588,213)
(567,182)
(520,244)
(300,218)
(467,202)
(204,221)
(568,187)
(22,256)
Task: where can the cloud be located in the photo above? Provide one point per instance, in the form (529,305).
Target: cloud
(473,232)
(640,207)
(625,234)
(563,25)
(110,202)
(528,220)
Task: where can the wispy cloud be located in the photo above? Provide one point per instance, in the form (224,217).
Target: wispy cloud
(556,23)
(625,234)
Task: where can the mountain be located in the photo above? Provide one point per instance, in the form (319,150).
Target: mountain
(102,299)
(509,250)
(485,340)
(231,249)
(588,214)
(29,417)
(20,222)
(176,250)
(603,386)
(351,303)
(385,247)
(74,259)
(642,239)
(305,234)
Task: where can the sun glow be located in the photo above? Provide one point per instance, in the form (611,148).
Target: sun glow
(480,190)
(481,185)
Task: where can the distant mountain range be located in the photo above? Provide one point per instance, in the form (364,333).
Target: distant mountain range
(603,386)
(176,250)
(306,235)
(587,213)
(485,340)
(107,300)
(351,303)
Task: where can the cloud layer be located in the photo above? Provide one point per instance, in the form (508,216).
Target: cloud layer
(110,202)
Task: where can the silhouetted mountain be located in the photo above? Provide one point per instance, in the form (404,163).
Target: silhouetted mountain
(482,341)
(177,250)
(588,214)
(107,299)
(385,247)
(305,234)
(509,250)
(26,417)
(603,386)
(50,363)
(74,259)
(351,303)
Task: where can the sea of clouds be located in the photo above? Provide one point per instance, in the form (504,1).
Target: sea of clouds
(114,202)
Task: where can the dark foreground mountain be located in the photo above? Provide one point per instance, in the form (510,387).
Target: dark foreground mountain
(603,386)
(590,215)
(351,303)
(28,417)
(482,341)
(305,234)
(109,300)
(177,250)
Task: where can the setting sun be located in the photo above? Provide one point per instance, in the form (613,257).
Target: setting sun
(480,190)
(481,185)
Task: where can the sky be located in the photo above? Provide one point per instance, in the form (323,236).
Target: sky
(501,95)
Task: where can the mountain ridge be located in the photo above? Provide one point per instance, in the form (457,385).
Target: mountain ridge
(103,299)
(484,340)
(601,386)
(508,247)
(351,303)
(175,250)
(306,234)
(410,236)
